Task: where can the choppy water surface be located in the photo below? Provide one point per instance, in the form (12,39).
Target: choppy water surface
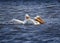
(15,33)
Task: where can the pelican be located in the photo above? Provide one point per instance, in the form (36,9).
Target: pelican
(27,20)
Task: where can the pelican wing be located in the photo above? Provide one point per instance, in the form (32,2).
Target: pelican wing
(16,21)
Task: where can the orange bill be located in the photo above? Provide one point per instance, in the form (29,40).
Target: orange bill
(40,20)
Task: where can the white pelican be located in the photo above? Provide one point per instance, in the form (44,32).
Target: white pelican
(27,20)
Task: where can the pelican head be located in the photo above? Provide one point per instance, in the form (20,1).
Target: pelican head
(39,19)
(27,16)
(35,18)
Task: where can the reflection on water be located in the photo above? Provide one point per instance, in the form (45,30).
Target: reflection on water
(15,33)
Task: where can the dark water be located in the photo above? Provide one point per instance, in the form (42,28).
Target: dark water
(15,33)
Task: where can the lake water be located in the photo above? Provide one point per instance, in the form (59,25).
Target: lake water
(15,33)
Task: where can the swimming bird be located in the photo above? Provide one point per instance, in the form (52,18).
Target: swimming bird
(27,20)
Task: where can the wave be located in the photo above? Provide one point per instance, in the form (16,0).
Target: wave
(33,0)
